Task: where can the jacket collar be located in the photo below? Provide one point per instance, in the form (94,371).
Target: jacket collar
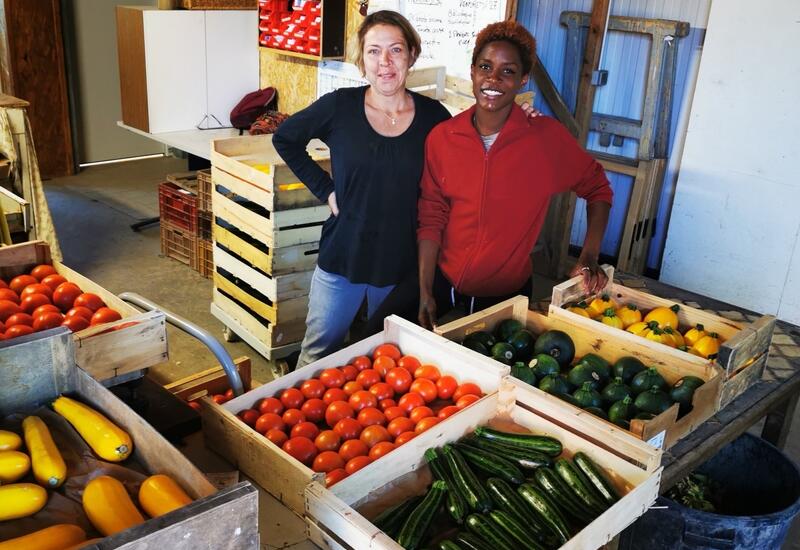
(462,123)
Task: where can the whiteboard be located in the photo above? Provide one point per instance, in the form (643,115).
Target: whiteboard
(447,28)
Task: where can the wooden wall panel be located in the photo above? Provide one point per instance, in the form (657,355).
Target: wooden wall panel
(36,53)
(132,71)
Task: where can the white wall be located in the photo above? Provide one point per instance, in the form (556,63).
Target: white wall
(734,233)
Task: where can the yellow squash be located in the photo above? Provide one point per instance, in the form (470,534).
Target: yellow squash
(108,506)
(610,318)
(639,328)
(83,544)
(160,494)
(694,334)
(49,468)
(658,335)
(675,336)
(707,346)
(629,314)
(580,309)
(13,465)
(21,500)
(55,537)
(600,304)
(9,441)
(664,316)
(107,440)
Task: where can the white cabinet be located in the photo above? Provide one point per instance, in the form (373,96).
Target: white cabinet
(180,69)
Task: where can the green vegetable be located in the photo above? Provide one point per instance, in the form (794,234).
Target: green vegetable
(562,496)
(544,365)
(524,458)
(507,328)
(587,396)
(596,477)
(505,498)
(644,416)
(486,339)
(492,464)
(503,352)
(455,503)
(552,517)
(413,530)
(598,365)
(627,367)
(582,373)
(542,443)
(392,519)
(465,481)
(646,380)
(683,392)
(514,530)
(597,412)
(521,371)
(448,545)
(474,345)
(471,541)
(522,341)
(615,391)
(556,344)
(554,384)
(621,412)
(576,481)
(486,529)
(654,401)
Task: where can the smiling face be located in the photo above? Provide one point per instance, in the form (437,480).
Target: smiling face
(497,76)
(386,59)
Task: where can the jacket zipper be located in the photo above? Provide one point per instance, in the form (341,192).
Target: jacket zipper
(480,213)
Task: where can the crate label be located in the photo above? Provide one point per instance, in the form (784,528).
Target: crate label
(657,440)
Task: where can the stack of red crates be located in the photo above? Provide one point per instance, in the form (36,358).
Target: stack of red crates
(290,25)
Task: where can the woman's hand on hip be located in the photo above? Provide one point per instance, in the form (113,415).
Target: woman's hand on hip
(332,203)
(427,310)
(594,278)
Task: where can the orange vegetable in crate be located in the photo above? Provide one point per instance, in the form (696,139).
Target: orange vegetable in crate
(383,364)
(47,320)
(109,507)
(334,394)
(468,388)
(348,428)
(404,438)
(372,435)
(75,323)
(353,448)
(394,412)
(30,302)
(312,389)
(352,387)
(292,398)
(409,362)
(707,346)
(269,421)
(429,372)
(56,537)
(600,303)
(381,449)
(466,400)
(18,283)
(664,316)
(361,400)
(37,288)
(446,386)
(629,314)
(338,410)
(302,449)
(335,476)
(610,318)
(581,308)
(270,405)
(278,437)
(305,429)
(419,413)
(314,409)
(42,270)
(15,331)
(89,300)
(426,388)
(389,350)
(105,315)
(53,281)
(362,362)
(44,309)
(328,440)
(19,500)
(426,424)
(448,411)
(381,391)
(368,378)
(293,417)
(399,379)
(350,372)
(410,401)
(357,463)
(332,378)
(694,334)
(160,494)
(371,417)
(249,416)
(107,440)
(384,404)
(20,319)
(399,425)
(328,461)
(64,295)
(84,312)
(10,295)
(7,309)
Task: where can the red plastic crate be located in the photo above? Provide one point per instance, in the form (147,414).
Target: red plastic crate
(177,206)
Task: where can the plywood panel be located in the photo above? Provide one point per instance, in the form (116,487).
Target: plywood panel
(295,79)
(132,73)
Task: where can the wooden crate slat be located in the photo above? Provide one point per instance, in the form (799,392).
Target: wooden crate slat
(278,288)
(210,381)
(258,227)
(268,352)
(271,335)
(289,310)
(288,195)
(275,261)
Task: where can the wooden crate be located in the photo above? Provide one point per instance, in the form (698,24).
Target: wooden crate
(219,4)
(340,514)
(742,355)
(222,519)
(204,190)
(662,431)
(211,381)
(137,341)
(284,477)
(178,243)
(204,258)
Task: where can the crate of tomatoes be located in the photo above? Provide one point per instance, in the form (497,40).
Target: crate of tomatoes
(345,412)
(111,337)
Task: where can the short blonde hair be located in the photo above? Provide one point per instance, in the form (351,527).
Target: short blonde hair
(394,19)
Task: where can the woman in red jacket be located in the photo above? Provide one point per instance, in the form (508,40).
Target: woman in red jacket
(488,178)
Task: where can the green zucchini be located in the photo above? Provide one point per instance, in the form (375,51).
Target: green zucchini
(392,519)
(465,481)
(456,504)
(542,443)
(471,541)
(514,530)
(486,529)
(524,458)
(507,499)
(447,544)
(562,496)
(413,530)
(551,516)
(580,486)
(492,464)
(595,475)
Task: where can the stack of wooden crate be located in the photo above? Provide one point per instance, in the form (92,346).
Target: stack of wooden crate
(266,232)
(184,202)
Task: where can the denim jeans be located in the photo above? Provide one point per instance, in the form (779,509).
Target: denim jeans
(333,302)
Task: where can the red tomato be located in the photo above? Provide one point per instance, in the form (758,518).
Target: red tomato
(269,421)
(338,410)
(84,312)
(408,362)
(278,437)
(428,371)
(426,424)
(104,315)
(448,411)
(75,323)
(90,300)
(384,404)
(270,405)
(410,401)
(302,449)
(426,388)
(335,476)
(312,389)
(327,461)
(20,282)
(399,425)
(350,372)
(399,379)
(353,448)
(20,319)
(10,295)
(32,301)
(352,387)
(42,270)
(371,417)
(381,449)
(7,309)
(219,399)
(467,388)
(3,284)
(368,378)
(404,437)
(466,400)
(47,320)
(36,288)
(229,393)
(372,435)
(292,398)
(328,440)
(419,413)
(332,378)
(361,400)
(53,281)
(362,362)
(305,429)
(249,416)
(17,330)
(314,409)
(388,350)
(382,391)
(42,309)
(446,386)
(383,364)
(195,405)
(394,412)
(334,394)
(348,428)
(293,417)
(64,295)
(355,464)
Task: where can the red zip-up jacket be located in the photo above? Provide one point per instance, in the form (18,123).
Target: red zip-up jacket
(486,209)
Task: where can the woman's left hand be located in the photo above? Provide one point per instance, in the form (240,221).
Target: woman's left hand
(530,110)
(594,278)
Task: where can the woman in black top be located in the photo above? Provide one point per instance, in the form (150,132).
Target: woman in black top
(376,135)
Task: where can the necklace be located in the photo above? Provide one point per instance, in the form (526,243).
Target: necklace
(391,118)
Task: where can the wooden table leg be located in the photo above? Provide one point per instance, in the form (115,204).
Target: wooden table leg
(779,421)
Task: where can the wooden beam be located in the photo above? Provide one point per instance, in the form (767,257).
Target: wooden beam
(553,97)
(591,62)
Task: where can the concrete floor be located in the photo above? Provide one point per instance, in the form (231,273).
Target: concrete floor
(92,213)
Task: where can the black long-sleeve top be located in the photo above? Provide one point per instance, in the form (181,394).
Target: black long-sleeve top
(376,179)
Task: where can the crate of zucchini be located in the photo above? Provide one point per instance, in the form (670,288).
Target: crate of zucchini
(737,348)
(621,383)
(500,474)
(266,233)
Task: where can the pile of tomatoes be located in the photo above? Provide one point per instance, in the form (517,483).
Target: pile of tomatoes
(347,417)
(43,299)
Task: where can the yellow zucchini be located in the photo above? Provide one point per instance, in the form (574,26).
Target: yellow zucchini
(21,500)
(107,440)
(83,544)
(49,468)
(13,465)
(160,494)
(109,507)
(55,537)
(9,441)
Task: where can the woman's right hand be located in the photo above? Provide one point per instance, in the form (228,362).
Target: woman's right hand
(332,203)
(427,310)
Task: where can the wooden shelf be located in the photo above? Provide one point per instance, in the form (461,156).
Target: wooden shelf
(299,55)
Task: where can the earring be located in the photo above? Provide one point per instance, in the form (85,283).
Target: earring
(363,5)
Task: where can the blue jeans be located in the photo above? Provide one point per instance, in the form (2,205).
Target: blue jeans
(333,302)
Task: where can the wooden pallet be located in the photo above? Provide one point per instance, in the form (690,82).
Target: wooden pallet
(342,512)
